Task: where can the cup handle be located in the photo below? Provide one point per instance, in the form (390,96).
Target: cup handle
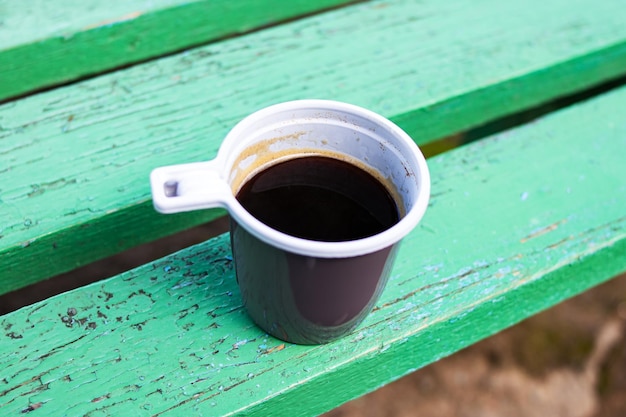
(188,187)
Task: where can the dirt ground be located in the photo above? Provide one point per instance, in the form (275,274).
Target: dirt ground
(569,361)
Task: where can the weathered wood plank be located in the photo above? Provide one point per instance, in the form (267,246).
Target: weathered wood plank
(517,223)
(45,43)
(74,162)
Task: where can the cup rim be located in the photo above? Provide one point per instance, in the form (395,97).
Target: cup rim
(341,249)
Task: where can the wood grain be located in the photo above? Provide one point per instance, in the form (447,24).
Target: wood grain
(74,162)
(44,43)
(517,223)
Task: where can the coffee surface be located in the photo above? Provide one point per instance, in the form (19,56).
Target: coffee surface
(319,198)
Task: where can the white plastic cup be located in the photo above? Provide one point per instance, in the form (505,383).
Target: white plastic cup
(301,290)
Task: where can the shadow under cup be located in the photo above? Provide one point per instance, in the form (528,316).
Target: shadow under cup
(299,290)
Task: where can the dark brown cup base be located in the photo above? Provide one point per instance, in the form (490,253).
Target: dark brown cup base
(303,299)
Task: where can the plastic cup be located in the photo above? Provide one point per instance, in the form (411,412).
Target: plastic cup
(300,290)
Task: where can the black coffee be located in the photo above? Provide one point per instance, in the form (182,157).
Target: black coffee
(319,198)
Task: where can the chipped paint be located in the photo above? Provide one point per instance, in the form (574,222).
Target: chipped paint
(543,231)
(113,21)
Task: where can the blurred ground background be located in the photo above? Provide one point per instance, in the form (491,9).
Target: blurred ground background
(568,361)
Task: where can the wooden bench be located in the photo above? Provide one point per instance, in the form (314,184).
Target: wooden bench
(95,96)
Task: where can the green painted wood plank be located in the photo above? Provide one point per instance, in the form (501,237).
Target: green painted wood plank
(45,43)
(517,223)
(74,162)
